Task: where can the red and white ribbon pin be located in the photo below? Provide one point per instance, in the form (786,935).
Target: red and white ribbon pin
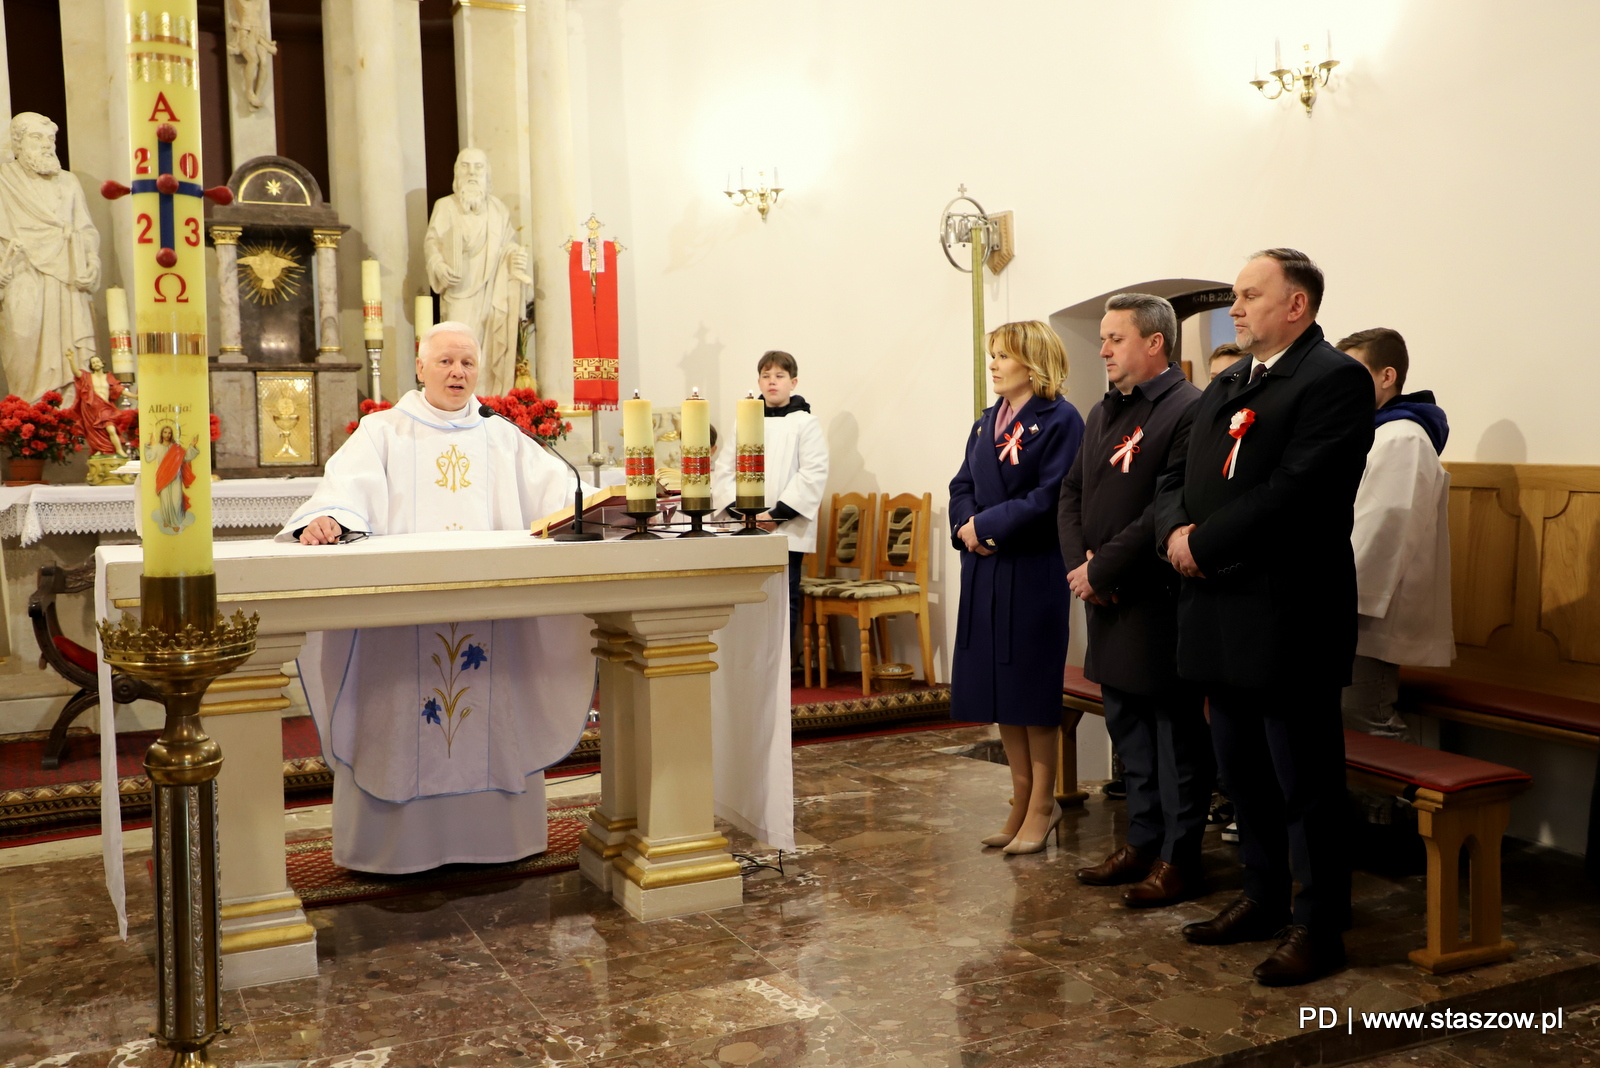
(1243,420)
(1011,447)
(1123,454)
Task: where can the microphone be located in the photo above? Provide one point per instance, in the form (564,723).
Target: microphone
(577,533)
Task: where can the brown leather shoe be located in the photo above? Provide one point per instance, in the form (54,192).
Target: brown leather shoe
(1126,865)
(1166,884)
(1301,957)
(1242,921)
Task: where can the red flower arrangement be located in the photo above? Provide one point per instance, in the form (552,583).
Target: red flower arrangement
(367,408)
(38,431)
(540,418)
(127,424)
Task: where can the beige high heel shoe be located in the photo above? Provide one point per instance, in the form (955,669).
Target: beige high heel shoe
(998,839)
(1019,845)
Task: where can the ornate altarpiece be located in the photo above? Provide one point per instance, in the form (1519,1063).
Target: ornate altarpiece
(279,382)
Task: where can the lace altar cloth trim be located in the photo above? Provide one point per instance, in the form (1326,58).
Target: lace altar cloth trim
(31,512)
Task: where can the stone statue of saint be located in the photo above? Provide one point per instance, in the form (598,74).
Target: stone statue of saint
(478,269)
(250,40)
(49,263)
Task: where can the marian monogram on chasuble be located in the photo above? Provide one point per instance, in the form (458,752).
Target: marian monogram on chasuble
(453,467)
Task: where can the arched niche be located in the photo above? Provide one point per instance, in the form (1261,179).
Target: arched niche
(1079,327)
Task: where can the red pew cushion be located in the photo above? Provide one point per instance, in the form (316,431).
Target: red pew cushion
(1568,713)
(1426,768)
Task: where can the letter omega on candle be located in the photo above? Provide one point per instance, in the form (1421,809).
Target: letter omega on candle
(169,287)
(639,450)
(750,479)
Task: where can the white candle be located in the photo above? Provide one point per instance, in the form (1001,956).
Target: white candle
(371,300)
(116,309)
(1277,54)
(424,314)
(639,451)
(696,450)
(750,481)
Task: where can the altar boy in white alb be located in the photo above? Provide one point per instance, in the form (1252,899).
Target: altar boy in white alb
(796,467)
(436,734)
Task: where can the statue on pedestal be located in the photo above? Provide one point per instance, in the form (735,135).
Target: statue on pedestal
(49,263)
(478,269)
(94,405)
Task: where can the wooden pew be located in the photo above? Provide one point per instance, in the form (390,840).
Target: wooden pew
(1462,803)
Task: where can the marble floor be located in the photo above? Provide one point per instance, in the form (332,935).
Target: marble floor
(893,939)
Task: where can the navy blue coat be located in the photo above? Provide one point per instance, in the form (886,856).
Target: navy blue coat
(1011,633)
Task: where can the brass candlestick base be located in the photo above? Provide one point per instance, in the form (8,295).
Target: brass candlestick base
(696,508)
(641,522)
(179,649)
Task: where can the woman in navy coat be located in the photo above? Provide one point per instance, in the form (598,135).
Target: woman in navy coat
(1011,633)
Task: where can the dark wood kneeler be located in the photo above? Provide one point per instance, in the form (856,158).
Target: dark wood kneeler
(70,660)
(1461,803)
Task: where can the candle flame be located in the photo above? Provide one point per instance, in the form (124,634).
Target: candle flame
(750,395)
(635,394)
(694,394)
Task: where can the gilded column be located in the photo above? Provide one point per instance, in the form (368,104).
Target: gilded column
(618,811)
(328,347)
(673,861)
(226,241)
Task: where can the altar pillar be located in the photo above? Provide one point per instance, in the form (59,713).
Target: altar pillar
(230,349)
(618,811)
(491,43)
(329,349)
(265,936)
(377,168)
(553,219)
(672,862)
(252,128)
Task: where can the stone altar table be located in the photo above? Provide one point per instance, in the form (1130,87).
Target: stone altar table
(670,732)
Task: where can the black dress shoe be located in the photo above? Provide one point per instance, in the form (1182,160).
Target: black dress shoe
(1242,921)
(1301,957)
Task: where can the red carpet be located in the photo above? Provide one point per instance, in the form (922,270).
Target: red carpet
(319,881)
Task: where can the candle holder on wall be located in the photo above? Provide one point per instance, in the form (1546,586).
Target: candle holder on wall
(763,197)
(1308,79)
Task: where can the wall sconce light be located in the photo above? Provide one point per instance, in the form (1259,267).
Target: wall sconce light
(1309,78)
(762,197)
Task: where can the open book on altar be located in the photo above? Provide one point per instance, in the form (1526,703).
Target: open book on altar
(608,506)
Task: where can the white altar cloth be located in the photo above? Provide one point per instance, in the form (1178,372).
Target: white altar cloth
(31,512)
(754,783)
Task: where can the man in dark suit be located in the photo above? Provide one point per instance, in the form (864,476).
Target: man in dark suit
(1107,527)
(1257,520)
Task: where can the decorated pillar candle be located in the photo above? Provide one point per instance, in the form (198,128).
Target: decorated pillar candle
(169,286)
(371,302)
(639,453)
(121,335)
(424,318)
(696,453)
(750,479)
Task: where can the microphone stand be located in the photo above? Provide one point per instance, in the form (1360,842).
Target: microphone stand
(577,533)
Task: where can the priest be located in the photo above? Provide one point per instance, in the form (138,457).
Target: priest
(437,734)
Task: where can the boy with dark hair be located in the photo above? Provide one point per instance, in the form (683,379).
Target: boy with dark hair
(796,463)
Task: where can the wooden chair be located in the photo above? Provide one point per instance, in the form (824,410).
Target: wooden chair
(901,548)
(848,546)
(70,660)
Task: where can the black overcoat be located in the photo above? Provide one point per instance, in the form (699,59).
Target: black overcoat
(1133,642)
(1011,630)
(1277,604)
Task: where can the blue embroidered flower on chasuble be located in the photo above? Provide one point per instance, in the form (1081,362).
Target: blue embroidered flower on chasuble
(473,656)
(430,710)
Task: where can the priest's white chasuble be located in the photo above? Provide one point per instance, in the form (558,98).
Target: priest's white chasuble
(437,734)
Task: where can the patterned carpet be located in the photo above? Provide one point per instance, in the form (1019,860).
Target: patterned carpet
(319,881)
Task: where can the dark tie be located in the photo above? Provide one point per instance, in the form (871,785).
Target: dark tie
(1256,372)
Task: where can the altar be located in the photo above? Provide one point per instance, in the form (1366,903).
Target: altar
(694,729)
